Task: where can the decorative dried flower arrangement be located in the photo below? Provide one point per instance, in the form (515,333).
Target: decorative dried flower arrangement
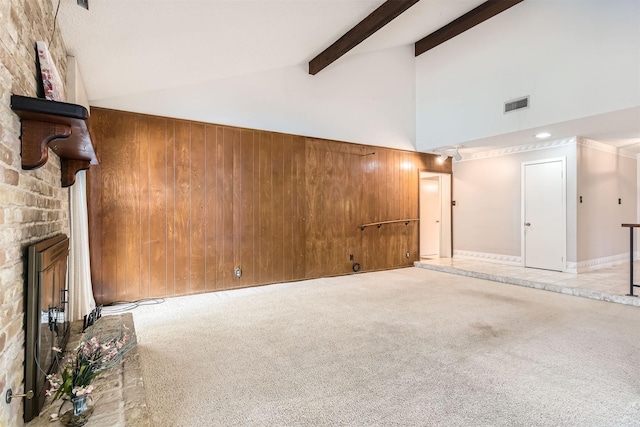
(81,366)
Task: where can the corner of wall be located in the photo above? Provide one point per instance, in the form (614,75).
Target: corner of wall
(607,197)
(76,92)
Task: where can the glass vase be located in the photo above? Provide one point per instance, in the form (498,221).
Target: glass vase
(75,412)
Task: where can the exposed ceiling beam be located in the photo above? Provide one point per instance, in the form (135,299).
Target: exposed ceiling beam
(380,17)
(469,20)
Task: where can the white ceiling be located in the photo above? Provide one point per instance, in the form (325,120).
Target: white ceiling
(619,129)
(136,46)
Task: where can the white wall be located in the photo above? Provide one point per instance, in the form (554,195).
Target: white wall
(603,178)
(367,98)
(487,192)
(574,58)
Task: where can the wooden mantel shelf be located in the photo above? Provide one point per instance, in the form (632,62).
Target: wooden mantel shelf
(61,126)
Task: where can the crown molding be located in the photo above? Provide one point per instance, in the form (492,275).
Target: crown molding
(544,145)
(516,149)
(585,142)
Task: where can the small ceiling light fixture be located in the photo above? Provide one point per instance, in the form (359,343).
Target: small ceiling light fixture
(445,152)
(542,135)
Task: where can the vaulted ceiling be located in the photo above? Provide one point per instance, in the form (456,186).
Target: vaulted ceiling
(128,47)
(134,46)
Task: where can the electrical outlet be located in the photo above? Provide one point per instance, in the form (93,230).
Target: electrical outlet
(238,273)
(408,254)
(350,257)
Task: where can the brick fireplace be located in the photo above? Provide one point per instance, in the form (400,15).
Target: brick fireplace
(33,205)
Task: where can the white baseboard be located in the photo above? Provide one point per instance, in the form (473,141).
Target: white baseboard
(598,263)
(487,257)
(572,267)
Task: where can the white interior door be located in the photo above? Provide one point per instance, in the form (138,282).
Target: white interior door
(430,216)
(544,218)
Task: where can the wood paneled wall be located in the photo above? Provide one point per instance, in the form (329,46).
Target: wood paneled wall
(175,206)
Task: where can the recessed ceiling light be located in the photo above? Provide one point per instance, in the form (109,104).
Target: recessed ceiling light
(542,135)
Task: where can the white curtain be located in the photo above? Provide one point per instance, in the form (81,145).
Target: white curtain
(81,300)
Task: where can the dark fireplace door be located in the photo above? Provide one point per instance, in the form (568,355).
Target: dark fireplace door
(47,324)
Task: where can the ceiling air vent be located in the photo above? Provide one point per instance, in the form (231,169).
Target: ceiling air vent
(516,104)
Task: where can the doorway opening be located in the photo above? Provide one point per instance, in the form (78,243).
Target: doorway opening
(435,215)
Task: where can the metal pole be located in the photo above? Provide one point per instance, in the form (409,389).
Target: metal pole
(631,261)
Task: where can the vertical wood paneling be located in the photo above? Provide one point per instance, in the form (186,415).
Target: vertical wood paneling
(335,213)
(170,166)
(412,209)
(256,207)
(406,171)
(219,208)
(299,231)
(395,233)
(108,208)
(212,207)
(380,236)
(247,209)
(288,254)
(182,209)
(143,197)
(175,206)
(277,206)
(369,207)
(405,167)
(120,197)
(238,210)
(157,173)
(353,208)
(197,219)
(227,267)
(326,210)
(265,256)
(313,210)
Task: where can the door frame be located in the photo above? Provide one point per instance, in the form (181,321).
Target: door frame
(446,206)
(523,166)
(422,199)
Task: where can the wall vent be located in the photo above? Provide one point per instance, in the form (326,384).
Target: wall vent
(516,104)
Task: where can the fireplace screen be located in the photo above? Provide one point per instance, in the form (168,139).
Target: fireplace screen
(46,322)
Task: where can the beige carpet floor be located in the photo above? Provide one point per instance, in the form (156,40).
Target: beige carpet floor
(407,347)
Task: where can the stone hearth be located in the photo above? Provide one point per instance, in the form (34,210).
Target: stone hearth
(119,397)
